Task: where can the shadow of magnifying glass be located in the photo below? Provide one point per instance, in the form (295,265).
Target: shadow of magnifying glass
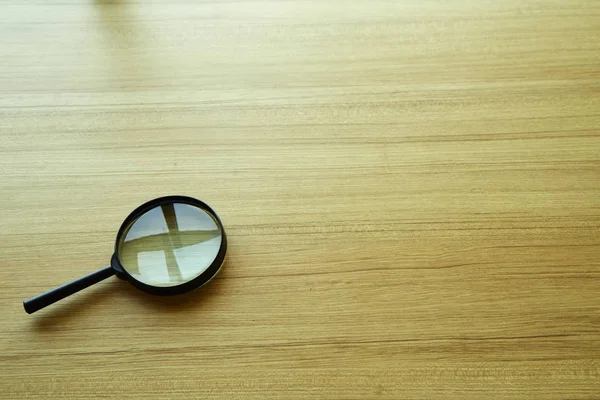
(110,295)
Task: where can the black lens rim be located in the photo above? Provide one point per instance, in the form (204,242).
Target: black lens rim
(200,280)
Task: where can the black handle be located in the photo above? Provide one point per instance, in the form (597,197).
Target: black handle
(52,296)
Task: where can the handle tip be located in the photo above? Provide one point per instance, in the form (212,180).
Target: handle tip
(27,308)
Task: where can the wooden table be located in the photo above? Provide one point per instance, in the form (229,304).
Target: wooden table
(411,191)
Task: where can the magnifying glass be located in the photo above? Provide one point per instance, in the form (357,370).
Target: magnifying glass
(167,246)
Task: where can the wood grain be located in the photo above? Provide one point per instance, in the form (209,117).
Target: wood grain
(411,191)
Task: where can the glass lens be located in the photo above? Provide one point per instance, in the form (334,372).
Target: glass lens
(169,245)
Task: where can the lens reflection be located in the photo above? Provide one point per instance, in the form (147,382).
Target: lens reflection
(169,245)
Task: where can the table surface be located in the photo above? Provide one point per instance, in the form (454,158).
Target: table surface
(411,191)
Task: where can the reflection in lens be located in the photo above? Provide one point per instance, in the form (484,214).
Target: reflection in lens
(169,245)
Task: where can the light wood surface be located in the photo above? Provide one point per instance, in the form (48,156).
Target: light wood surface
(411,191)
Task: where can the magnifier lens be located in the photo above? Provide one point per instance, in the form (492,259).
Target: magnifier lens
(170,244)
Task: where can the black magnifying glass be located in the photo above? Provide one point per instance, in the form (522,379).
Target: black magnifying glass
(167,246)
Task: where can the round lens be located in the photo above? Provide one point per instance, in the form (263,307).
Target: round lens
(170,244)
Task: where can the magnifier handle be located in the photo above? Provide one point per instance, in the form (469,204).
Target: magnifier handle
(52,296)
